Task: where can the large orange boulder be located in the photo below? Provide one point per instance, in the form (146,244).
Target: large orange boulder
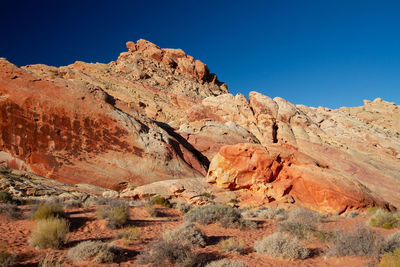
(284,174)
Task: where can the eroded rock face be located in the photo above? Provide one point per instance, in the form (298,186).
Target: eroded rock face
(284,174)
(73,132)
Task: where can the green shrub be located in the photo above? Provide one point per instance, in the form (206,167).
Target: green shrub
(384,219)
(95,251)
(50,233)
(161,253)
(9,211)
(359,241)
(226,216)
(5,197)
(186,234)
(159,200)
(390,259)
(225,263)
(116,214)
(232,245)
(48,210)
(280,245)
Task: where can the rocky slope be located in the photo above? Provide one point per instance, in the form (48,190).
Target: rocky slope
(157,114)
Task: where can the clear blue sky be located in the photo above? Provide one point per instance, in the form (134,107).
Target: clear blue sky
(312,52)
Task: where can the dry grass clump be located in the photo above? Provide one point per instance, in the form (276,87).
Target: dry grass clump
(392,242)
(116,214)
(50,260)
(280,245)
(9,211)
(390,259)
(6,259)
(226,216)
(225,263)
(94,251)
(186,234)
(48,210)
(384,219)
(50,233)
(129,234)
(359,241)
(159,200)
(162,253)
(232,245)
(152,211)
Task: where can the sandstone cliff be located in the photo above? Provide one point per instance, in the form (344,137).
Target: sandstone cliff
(157,114)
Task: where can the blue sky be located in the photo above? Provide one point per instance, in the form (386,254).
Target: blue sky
(317,53)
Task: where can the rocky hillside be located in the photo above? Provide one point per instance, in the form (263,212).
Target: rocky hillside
(158,114)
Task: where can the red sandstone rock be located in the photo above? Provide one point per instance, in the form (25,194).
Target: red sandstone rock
(73,133)
(131,46)
(284,174)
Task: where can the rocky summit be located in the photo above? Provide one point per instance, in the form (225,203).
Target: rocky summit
(158,114)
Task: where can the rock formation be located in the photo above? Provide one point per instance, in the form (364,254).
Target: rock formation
(280,172)
(157,114)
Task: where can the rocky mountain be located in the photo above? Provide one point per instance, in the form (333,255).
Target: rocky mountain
(158,114)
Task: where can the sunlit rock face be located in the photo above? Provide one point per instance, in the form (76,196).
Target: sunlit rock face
(157,114)
(282,173)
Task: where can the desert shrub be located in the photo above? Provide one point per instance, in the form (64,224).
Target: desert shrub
(384,219)
(359,241)
(50,233)
(151,210)
(116,214)
(302,230)
(5,197)
(50,260)
(48,210)
(159,200)
(267,213)
(280,245)
(186,234)
(130,233)
(372,210)
(225,263)
(226,216)
(182,206)
(207,195)
(390,259)
(352,214)
(6,258)
(73,203)
(392,242)
(95,251)
(304,215)
(162,253)
(9,211)
(232,245)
